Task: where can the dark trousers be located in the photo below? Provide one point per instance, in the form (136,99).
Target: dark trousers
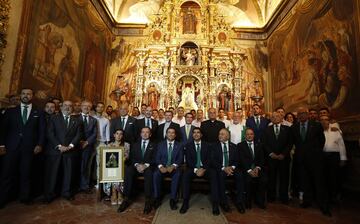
(86,162)
(54,165)
(331,169)
(239,184)
(255,186)
(175,178)
(312,177)
(16,164)
(131,173)
(278,169)
(210,175)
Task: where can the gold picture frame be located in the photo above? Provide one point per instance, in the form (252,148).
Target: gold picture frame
(111,164)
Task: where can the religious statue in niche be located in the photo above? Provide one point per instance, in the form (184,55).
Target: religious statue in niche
(189,56)
(153,96)
(187,91)
(225,98)
(189,22)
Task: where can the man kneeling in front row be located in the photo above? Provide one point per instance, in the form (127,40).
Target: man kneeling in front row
(142,163)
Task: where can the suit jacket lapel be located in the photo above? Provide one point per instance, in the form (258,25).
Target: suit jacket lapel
(20,115)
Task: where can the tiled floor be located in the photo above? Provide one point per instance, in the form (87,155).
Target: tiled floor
(85,209)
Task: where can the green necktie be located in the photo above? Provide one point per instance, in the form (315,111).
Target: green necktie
(257,122)
(123,123)
(24,114)
(67,121)
(148,122)
(277,130)
(85,121)
(143,148)
(198,156)
(303,131)
(252,154)
(226,156)
(169,155)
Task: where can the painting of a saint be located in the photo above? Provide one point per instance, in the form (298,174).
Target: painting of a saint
(189,22)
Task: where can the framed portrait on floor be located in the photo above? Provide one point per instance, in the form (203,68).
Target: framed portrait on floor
(111,164)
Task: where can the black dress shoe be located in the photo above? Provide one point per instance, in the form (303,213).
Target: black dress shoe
(326,212)
(215,210)
(69,198)
(261,205)
(184,208)
(173,205)
(123,206)
(240,208)
(147,208)
(305,205)
(225,207)
(26,201)
(157,203)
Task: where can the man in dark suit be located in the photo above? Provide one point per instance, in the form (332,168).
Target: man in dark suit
(210,128)
(225,160)
(257,122)
(125,123)
(141,163)
(162,129)
(64,133)
(147,121)
(252,164)
(23,138)
(187,129)
(277,143)
(309,140)
(87,145)
(198,166)
(169,158)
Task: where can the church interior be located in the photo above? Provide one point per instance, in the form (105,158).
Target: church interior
(194,54)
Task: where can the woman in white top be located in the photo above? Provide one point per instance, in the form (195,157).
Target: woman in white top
(334,157)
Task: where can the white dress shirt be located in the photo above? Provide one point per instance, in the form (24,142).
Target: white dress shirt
(103,131)
(334,143)
(236,131)
(161,121)
(225,121)
(181,121)
(197,123)
(29,107)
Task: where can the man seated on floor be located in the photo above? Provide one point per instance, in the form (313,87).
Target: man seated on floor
(198,166)
(169,157)
(252,162)
(142,163)
(225,160)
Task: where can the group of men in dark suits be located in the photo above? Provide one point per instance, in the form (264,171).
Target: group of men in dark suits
(159,151)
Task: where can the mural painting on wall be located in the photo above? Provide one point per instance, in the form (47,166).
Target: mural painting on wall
(69,57)
(317,69)
(122,72)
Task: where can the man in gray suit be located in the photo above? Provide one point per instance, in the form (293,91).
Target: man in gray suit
(64,135)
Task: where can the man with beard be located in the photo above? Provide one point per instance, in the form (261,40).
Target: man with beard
(24,138)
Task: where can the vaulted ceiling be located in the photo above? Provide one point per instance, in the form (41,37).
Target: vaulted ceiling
(239,13)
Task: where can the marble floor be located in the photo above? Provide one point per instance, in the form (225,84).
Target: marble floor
(86,209)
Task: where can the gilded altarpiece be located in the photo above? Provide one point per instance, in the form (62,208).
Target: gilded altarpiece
(188,59)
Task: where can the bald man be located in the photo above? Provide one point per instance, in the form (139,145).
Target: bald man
(210,128)
(64,135)
(309,140)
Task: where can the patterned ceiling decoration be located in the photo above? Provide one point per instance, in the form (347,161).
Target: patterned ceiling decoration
(239,13)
